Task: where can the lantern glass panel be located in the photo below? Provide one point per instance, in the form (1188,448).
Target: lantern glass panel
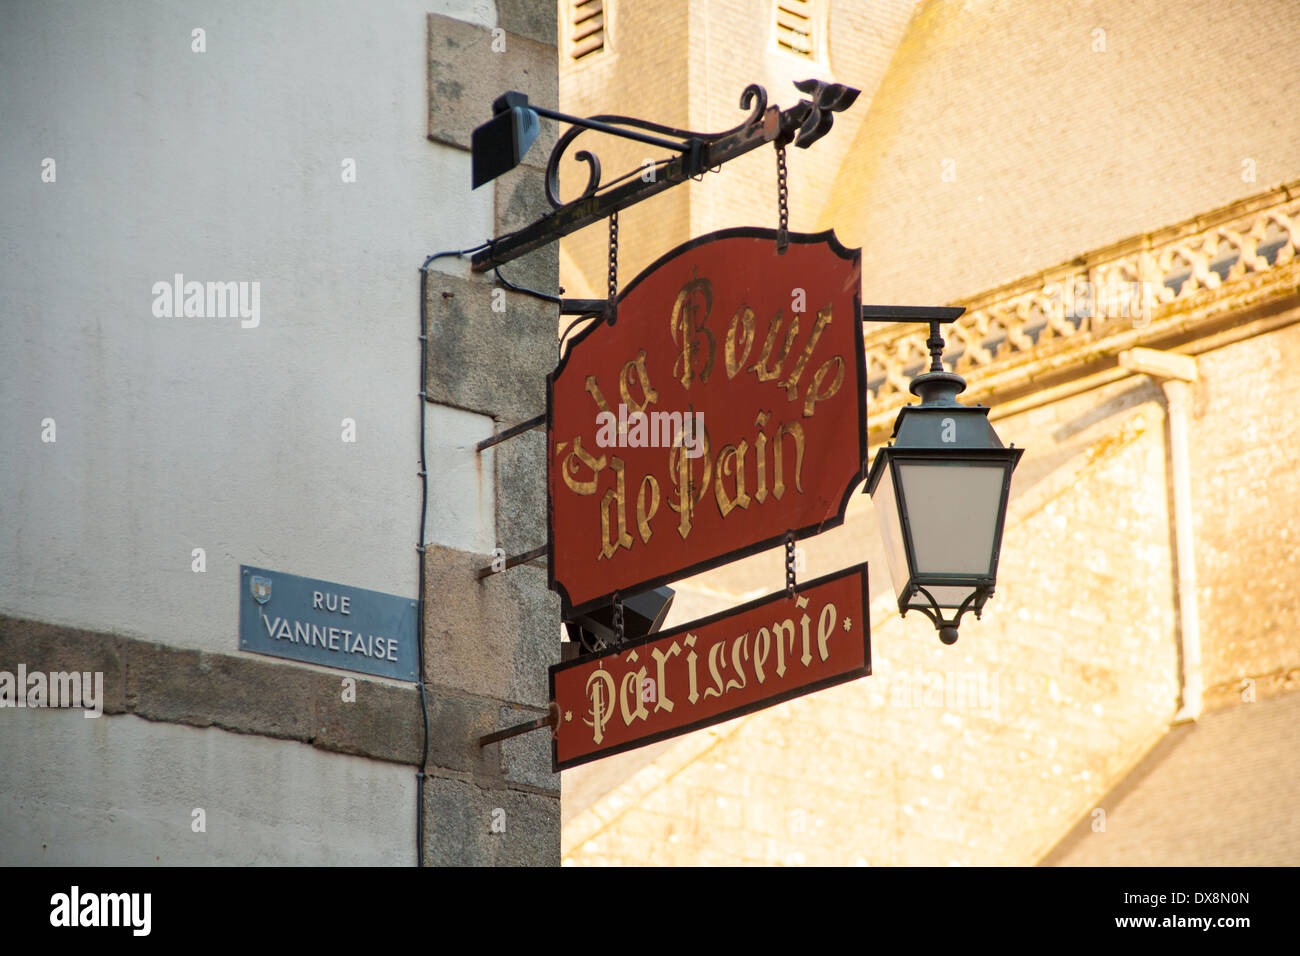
(952,513)
(891,530)
(945,595)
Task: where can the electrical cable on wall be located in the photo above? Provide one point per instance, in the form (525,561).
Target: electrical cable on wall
(424,507)
(419,546)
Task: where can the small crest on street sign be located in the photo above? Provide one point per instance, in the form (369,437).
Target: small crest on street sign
(260,588)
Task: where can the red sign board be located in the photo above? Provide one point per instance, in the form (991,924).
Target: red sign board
(712,670)
(724,407)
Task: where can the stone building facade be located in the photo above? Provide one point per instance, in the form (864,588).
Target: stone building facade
(318,156)
(1032,162)
(1037,164)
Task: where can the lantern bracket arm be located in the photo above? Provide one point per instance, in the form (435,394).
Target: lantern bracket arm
(917,314)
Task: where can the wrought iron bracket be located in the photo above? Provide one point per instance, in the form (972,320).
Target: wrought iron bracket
(933,314)
(511,432)
(552,720)
(583,306)
(697,153)
(513,561)
(912,313)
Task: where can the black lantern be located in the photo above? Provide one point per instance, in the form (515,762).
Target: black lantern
(643,615)
(940,489)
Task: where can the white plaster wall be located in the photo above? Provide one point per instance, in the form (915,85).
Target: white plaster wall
(123,791)
(458,518)
(173,433)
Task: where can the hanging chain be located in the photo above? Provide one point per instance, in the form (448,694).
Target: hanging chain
(789,563)
(613,266)
(618,618)
(782,203)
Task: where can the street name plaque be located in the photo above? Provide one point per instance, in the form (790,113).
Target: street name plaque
(304,619)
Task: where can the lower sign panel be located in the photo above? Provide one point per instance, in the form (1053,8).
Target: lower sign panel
(714,669)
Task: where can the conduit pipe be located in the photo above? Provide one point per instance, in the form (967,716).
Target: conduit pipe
(1175,373)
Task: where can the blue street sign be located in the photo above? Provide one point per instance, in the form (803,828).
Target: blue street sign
(303,619)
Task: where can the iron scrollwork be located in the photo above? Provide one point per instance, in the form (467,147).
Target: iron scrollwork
(754,99)
(803,124)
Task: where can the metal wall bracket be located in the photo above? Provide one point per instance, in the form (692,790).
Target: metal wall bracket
(511,432)
(512,561)
(696,153)
(552,720)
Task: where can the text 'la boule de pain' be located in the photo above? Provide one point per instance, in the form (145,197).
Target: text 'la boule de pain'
(724,407)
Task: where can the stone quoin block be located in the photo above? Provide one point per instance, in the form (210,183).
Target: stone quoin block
(529,18)
(521,492)
(466,75)
(456,722)
(519,201)
(459,825)
(494,362)
(495,637)
(527,757)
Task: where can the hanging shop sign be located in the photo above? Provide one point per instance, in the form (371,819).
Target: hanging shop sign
(724,407)
(711,670)
(303,619)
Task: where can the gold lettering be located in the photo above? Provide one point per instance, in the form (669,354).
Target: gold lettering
(593,390)
(694,695)
(760,454)
(717,689)
(762,368)
(731,458)
(684,484)
(602,406)
(600,688)
(569,467)
(795,430)
(683,322)
(804,620)
(632,682)
(661,664)
(779,628)
(815,394)
(762,647)
(618,497)
(636,367)
(740,644)
(825,628)
(642,515)
(743,320)
(791,382)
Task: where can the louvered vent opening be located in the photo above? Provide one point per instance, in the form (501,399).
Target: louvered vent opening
(794,27)
(587,35)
